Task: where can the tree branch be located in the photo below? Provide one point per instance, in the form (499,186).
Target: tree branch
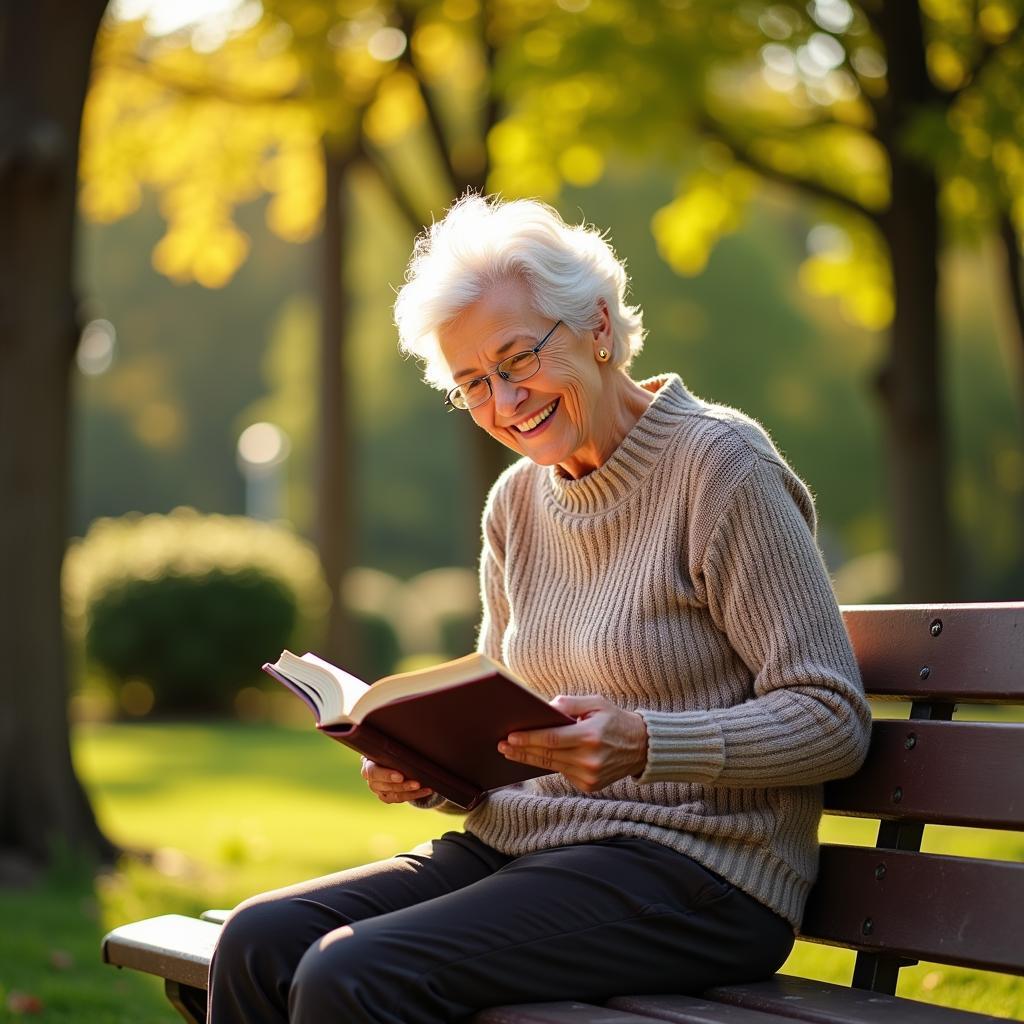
(386,176)
(429,104)
(815,188)
(988,54)
(492,104)
(871,9)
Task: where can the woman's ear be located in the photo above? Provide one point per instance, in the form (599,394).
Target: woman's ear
(604,344)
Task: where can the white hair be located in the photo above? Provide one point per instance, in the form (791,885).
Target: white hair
(482,242)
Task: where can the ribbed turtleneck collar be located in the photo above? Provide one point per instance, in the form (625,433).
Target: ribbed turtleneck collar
(634,459)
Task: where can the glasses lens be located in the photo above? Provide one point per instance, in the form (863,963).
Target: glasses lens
(519,366)
(470,394)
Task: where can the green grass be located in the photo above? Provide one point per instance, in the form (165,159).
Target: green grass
(235,809)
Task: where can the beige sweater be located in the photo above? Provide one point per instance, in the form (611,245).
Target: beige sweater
(681,580)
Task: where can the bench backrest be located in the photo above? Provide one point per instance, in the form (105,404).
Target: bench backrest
(891,903)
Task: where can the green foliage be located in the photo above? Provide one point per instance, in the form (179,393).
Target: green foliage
(378,646)
(190,605)
(194,639)
(803,94)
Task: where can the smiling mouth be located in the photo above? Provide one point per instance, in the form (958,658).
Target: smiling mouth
(535,421)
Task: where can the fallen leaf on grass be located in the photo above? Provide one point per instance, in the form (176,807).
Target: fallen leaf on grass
(61,960)
(24,1002)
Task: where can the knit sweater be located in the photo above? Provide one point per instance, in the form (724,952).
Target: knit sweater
(680,580)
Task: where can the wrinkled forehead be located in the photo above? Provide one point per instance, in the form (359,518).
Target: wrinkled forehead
(502,321)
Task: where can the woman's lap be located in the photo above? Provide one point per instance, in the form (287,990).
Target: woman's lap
(442,932)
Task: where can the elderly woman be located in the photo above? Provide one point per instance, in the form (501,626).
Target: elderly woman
(649,564)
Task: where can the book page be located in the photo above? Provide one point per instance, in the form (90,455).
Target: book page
(334,691)
(427,680)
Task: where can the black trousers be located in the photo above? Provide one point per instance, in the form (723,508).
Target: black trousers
(454,926)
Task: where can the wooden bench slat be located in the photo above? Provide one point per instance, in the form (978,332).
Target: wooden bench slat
(951,910)
(952,773)
(691,1010)
(171,946)
(558,1013)
(977,655)
(822,1003)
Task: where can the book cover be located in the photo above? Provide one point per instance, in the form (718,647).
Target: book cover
(448,738)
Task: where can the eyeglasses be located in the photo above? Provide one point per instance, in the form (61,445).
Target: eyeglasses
(516,367)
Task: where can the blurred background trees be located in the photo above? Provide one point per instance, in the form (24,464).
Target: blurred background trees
(897,122)
(818,203)
(893,126)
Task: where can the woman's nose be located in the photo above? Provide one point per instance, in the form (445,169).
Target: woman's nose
(508,396)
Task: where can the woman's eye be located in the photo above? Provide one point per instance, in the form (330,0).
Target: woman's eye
(517,362)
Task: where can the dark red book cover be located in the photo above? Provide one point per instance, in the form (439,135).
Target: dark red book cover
(448,739)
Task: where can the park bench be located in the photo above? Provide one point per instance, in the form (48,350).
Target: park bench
(891,903)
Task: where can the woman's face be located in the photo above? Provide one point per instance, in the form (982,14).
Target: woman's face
(565,394)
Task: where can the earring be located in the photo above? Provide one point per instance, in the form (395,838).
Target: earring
(603,355)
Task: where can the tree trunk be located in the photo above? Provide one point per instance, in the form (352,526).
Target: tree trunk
(336,462)
(45,51)
(488,457)
(910,383)
(1014,288)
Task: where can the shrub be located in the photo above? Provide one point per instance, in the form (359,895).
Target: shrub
(191,605)
(377,644)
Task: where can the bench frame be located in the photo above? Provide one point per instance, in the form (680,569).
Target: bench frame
(925,769)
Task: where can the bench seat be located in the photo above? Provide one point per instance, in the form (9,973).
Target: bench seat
(179,949)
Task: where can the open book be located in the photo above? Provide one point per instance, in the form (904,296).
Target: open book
(439,725)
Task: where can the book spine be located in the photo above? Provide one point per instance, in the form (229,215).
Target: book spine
(379,747)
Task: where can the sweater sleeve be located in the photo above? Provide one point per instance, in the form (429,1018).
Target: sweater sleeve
(768,590)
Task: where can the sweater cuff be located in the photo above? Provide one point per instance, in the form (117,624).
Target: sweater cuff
(682,747)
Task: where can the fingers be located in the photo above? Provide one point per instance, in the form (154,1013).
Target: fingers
(606,744)
(391,786)
(561,737)
(577,707)
(565,736)
(404,797)
(555,759)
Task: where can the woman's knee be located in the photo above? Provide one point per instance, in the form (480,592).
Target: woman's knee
(258,923)
(352,977)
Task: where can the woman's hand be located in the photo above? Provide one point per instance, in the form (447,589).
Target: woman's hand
(606,743)
(390,786)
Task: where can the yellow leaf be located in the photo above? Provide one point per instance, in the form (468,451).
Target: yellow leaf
(397,108)
(945,65)
(997,21)
(581,165)
(221,255)
(529,179)
(104,200)
(542,46)
(510,142)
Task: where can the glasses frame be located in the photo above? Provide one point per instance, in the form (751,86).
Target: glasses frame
(498,372)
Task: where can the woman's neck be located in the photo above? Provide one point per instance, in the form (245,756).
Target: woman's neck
(624,401)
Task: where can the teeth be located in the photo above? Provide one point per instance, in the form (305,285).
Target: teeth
(537,420)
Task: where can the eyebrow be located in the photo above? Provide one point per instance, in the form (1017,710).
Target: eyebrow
(500,351)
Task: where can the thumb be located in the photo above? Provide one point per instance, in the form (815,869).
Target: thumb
(579,707)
